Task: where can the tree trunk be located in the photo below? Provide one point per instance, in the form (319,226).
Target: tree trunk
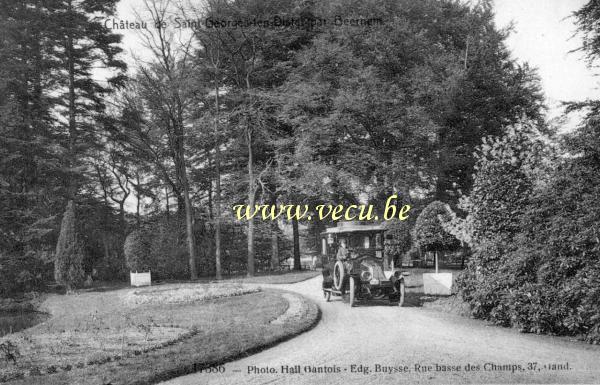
(274,248)
(105,247)
(209,196)
(138,196)
(105,227)
(167,202)
(251,198)
(189,227)
(189,209)
(122,218)
(296,236)
(72,189)
(137,212)
(217,188)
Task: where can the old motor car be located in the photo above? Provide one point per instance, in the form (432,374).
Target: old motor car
(361,270)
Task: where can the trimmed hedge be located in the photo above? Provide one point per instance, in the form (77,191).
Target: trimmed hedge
(429,233)
(68,264)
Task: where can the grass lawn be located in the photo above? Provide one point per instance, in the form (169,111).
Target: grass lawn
(147,335)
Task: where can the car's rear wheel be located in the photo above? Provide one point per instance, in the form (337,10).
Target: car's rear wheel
(352,292)
(338,275)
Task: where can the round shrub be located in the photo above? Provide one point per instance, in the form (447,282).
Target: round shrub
(137,251)
(430,235)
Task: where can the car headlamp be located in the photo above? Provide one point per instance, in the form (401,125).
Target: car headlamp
(366,275)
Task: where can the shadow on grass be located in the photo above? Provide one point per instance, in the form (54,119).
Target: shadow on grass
(14,321)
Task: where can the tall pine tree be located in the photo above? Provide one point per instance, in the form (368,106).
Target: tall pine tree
(85,43)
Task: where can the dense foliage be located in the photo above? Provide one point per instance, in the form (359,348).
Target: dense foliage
(398,240)
(533,231)
(506,173)
(159,245)
(401,106)
(558,257)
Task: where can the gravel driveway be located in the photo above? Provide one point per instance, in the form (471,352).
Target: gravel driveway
(377,343)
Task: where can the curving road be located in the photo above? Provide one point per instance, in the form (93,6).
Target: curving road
(418,346)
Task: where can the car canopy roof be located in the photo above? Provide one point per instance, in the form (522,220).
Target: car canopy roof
(353,228)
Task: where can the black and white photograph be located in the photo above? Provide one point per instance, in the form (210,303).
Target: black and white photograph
(299,192)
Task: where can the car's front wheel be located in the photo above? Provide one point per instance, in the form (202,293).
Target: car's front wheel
(338,275)
(401,293)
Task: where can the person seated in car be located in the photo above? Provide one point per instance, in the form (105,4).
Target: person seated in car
(342,253)
(346,256)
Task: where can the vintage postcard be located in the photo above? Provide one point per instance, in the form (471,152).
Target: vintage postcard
(299,192)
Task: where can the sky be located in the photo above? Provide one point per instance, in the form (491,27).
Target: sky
(543,37)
